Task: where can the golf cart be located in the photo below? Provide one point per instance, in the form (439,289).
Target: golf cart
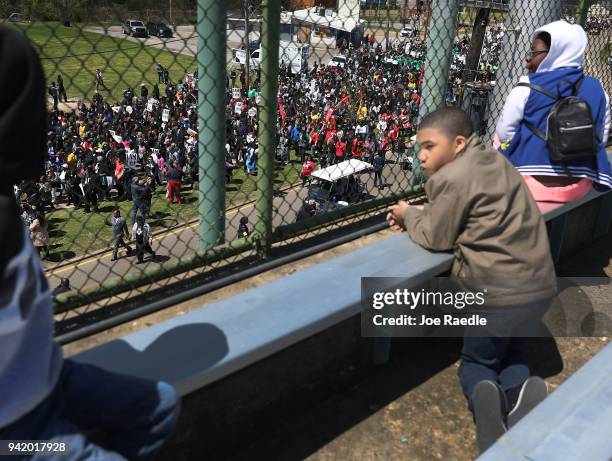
(337,186)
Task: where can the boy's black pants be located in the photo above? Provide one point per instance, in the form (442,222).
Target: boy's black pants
(501,357)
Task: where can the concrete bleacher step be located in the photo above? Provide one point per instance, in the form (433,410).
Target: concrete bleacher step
(572,423)
(236,332)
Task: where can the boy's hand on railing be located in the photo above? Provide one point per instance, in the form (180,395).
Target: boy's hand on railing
(396,214)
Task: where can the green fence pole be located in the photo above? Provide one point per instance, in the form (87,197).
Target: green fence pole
(270,30)
(440,36)
(211,122)
(582,11)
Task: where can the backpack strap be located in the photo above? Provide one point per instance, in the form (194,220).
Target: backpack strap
(575,86)
(534,129)
(539,89)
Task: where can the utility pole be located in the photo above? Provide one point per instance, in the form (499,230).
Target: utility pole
(475,50)
(247,29)
(388,26)
(524,17)
(170,8)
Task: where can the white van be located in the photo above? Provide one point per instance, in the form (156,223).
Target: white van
(291,54)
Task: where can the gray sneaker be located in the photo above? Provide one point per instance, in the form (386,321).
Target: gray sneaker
(489,410)
(533,391)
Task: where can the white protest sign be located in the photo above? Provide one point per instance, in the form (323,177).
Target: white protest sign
(252,112)
(257,99)
(129,109)
(165,115)
(238,108)
(132,158)
(115,136)
(150,106)
(235,93)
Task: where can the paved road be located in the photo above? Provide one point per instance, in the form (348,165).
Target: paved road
(185,41)
(183,241)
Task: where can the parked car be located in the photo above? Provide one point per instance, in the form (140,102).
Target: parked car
(15,17)
(135,28)
(159,29)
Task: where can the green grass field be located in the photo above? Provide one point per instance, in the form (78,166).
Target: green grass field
(76,54)
(74,233)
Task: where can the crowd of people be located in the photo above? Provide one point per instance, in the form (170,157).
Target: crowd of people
(123,150)
(470,191)
(116,151)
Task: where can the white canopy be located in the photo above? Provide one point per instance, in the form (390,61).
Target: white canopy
(335,21)
(341,170)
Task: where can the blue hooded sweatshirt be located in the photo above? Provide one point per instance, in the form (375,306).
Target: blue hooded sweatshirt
(527,152)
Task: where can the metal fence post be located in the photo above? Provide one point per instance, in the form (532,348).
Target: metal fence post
(524,18)
(440,37)
(211,122)
(270,31)
(582,11)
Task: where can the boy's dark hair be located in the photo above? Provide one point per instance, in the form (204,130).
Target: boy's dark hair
(451,121)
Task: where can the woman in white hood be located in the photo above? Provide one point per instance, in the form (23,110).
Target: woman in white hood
(556,56)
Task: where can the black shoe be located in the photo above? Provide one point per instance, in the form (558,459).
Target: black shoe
(525,398)
(489,412)
(114,258)
(140,261)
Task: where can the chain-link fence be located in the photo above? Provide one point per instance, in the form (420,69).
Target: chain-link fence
(185,146)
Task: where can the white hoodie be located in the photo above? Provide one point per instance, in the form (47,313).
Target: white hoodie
(568,43)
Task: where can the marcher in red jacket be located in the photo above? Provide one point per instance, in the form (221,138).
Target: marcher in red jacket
(340,148)
(307,168)
(174,175)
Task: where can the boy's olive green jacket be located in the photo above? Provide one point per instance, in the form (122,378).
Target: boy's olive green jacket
(480,209)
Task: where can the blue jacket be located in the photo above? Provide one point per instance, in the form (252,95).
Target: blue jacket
(530,154)
(295,134)
(564,61)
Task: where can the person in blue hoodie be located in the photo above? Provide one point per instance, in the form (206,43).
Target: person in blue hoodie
(95,414)
(556,55)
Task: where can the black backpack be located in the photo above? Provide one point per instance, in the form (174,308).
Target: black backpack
(571,132)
